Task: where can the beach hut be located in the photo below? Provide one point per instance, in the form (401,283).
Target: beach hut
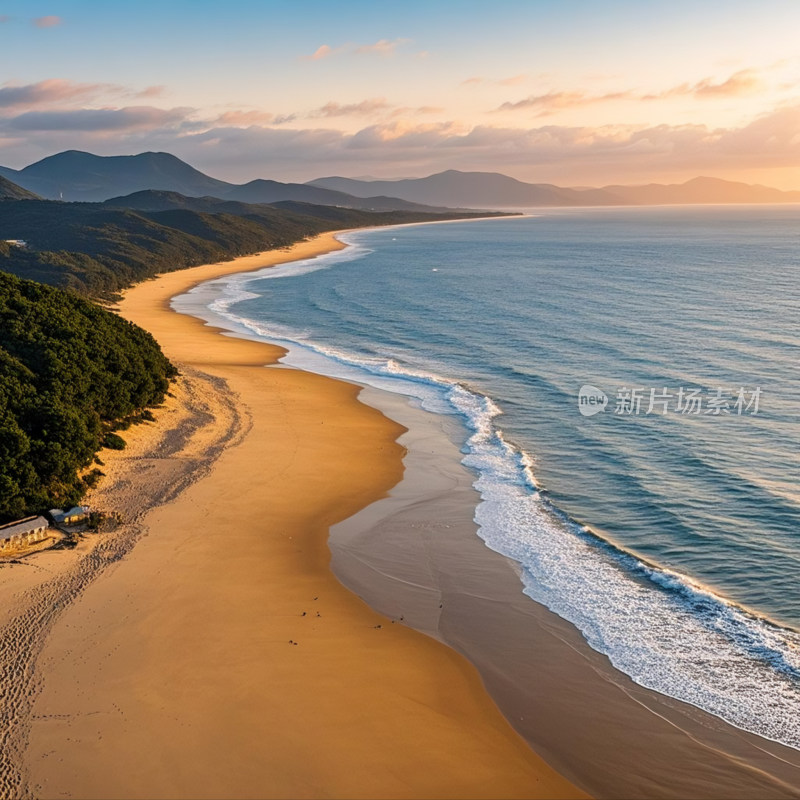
(23,533)
(72,516)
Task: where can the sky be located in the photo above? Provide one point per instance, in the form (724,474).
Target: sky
(572,92)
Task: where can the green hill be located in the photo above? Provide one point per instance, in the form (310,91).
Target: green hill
(10,191)
(98,249)
(69,373)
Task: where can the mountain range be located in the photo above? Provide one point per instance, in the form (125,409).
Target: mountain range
(77,176)
(492,190)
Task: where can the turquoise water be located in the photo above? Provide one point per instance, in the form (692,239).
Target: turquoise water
(671,540)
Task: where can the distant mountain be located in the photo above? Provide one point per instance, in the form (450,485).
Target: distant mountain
(263,191)
(150,200)
(74,175)
(700,190)
(493,190)
(454,188)
(156,200)
(78,176)
(10,191)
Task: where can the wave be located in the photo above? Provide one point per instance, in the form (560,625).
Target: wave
(666,631)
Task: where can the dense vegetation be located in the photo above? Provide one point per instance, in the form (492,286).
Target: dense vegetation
(98,249)
(69,373)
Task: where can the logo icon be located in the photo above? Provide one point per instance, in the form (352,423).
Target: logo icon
(591,400)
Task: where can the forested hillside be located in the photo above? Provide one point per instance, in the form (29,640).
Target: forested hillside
(98,249)
(69,373)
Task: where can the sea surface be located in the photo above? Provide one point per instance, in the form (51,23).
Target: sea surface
(666,525)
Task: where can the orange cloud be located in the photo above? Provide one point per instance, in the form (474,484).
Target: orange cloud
(364,108)
(237,118)
(374,106)
(551,102)
(323,51)
(744,81)
(514,80)
(404,133)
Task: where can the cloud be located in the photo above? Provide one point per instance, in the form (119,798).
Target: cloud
(742,82)
(419,110)
(4,18)
(514,80)
(99,119)
(403,134)
(371,107)
(48,22)
(383,47)
(242,144)
(364,108)
(244,118)
(565,152)
(151,91)
(53,90)
(745,81)
(323,51)
(552,102)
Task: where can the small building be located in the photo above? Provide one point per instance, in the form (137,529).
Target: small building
(23,533)
(17,242)
(72,516)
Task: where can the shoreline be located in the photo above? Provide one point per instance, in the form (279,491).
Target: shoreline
(224,654)
(374,555)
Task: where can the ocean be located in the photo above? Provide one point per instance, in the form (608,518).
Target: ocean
(628,385)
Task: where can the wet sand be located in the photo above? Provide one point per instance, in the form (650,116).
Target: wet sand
(416,555)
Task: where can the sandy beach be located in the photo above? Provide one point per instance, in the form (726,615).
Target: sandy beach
(219,656)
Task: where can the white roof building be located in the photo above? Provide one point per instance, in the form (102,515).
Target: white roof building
(23,532)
